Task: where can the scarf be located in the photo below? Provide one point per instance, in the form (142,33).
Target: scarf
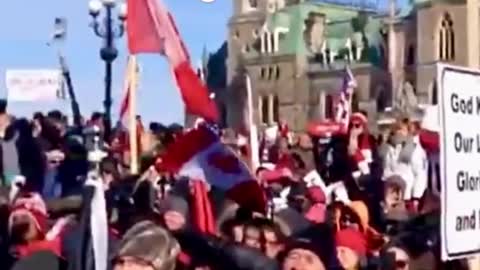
(406,153)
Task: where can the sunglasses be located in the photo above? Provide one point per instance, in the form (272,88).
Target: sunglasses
(357,125)
(54,162)
(399,264)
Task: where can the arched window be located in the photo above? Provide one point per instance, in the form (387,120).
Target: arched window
(264,109)
(446,38)
(277,72)
(276,109)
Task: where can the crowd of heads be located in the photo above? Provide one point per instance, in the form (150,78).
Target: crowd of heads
(352,200)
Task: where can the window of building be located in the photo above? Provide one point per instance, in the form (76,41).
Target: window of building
(411,55)
(265,43)
(329,107)
(276,109)
(270,73)
(253,3)
(246,48)
(277,72)
(264,106)
(255,33)
(263,72)
(273,44)
(446,39)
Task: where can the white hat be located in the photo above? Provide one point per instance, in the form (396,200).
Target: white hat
(431,120)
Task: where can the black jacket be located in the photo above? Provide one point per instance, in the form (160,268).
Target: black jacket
(220,255)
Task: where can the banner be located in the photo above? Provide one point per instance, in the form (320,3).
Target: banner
(35,85)
(459,92)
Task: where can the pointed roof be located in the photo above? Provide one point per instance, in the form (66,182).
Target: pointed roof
(205,57)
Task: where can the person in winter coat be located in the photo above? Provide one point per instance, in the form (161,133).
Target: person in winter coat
(405,157)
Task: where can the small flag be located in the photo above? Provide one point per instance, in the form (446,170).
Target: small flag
(344,102)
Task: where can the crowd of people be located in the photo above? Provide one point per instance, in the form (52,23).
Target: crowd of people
(334,201)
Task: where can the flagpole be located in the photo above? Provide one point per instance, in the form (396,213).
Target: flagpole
(253,137)
(132,113)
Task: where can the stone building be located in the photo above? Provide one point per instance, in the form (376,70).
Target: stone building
(295,53)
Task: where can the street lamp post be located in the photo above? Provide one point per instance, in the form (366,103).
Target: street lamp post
(108,29)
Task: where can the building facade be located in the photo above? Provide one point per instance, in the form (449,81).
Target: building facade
(295,53)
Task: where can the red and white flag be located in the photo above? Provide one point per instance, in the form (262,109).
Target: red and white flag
(151,29)
(199,155)
(344,101)
(131,79)
(127,86)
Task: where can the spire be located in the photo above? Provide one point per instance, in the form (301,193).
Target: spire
(205,57)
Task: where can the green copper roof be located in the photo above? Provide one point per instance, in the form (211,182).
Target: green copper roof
(293,17)
(343,23)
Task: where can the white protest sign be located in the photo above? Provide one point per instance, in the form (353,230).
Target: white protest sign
(35,85)
(459,94)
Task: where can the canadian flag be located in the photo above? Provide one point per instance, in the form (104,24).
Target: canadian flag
(199,155)
(152,29)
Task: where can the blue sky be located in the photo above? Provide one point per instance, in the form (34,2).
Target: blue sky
(27,24)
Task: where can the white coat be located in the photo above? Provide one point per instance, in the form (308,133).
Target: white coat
(414,172)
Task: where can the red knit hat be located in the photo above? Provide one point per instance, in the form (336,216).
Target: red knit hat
(352,239)
(33,206)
